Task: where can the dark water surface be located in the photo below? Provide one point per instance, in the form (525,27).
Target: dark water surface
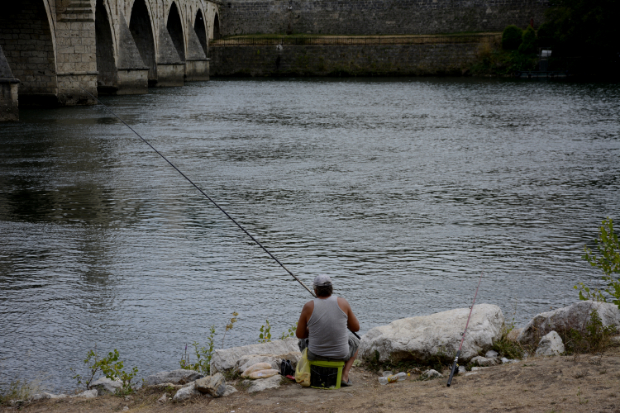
(402,190)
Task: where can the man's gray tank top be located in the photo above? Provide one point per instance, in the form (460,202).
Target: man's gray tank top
(329,336)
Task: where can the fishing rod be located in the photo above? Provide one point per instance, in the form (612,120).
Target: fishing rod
(206,196)
(458,353)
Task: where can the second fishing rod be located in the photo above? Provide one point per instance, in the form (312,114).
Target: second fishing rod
(208,197)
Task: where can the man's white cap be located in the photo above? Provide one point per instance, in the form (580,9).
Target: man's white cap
(322,280)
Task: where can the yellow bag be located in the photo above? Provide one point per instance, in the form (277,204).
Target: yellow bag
(302,372)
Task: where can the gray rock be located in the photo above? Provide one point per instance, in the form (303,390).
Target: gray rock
(491,354)
(41,396)
(574,316)
(484,361)
(106,386)
(226,359)
(431,374)
(505,360)
(179,376)
(423,338)
(476,368)
(185,393)
(165,386)
(263,384)
(550,345)
(462,370)
(229,390)
(214,385)
(163,398)
(58,396)
(88,394)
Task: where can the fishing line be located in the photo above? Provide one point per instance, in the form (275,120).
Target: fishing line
(206,196)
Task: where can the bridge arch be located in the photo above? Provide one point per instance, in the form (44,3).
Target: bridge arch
(107,78)
(142,32)
(200,27)
(174,25)
(215,33)
(27,38)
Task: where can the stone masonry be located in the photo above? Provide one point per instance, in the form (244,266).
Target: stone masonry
(64,51)
(8,92)
(371,17)
(344,60)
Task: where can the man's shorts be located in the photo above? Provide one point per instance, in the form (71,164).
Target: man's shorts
(354,344)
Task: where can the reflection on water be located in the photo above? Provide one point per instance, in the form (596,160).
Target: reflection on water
(403,190)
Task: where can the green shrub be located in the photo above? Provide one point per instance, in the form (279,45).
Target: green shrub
(265,333)
(507,348)
(203,356)
(594,338)
(529,41)
(512,37)
(546,34)
(111,367)
(608,261)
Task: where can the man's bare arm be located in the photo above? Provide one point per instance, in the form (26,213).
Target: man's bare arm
(352,323)
(302,324)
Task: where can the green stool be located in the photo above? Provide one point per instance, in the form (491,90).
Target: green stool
(326,374)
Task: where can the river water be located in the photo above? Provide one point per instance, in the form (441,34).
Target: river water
(403,190)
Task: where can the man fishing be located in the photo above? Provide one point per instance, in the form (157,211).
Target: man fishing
(322,328)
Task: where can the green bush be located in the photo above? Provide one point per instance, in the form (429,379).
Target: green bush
(608,262)
(512,37)
(546,34)
(111,367)
(529,42)
(595,338)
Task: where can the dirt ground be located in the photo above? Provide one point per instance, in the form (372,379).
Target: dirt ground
(584,383)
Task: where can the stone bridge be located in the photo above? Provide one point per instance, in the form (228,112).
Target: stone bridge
(51,49)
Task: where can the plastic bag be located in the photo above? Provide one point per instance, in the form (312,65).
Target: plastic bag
(263,374)
(302,373)
(255,367)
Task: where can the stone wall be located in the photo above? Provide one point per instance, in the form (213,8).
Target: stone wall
(349,17)
(349,60)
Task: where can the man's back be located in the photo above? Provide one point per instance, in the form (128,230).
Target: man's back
(328,329)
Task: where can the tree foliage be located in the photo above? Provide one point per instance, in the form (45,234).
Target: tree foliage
(608,261)
(529,41)
(586,29)
(511,37)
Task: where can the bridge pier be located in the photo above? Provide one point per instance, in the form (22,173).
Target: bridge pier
(197,64)
(9,86)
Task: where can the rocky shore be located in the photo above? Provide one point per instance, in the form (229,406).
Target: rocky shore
(421,341)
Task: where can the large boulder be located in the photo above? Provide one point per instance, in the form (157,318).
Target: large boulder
(438,335)
(574,316)
(550,345)
(226,359)
(185,393)
(179,376)
(263,384)
(214,385)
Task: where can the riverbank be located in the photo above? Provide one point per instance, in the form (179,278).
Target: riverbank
(581,383)
(414,55)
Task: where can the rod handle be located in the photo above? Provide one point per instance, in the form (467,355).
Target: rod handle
(454,367)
